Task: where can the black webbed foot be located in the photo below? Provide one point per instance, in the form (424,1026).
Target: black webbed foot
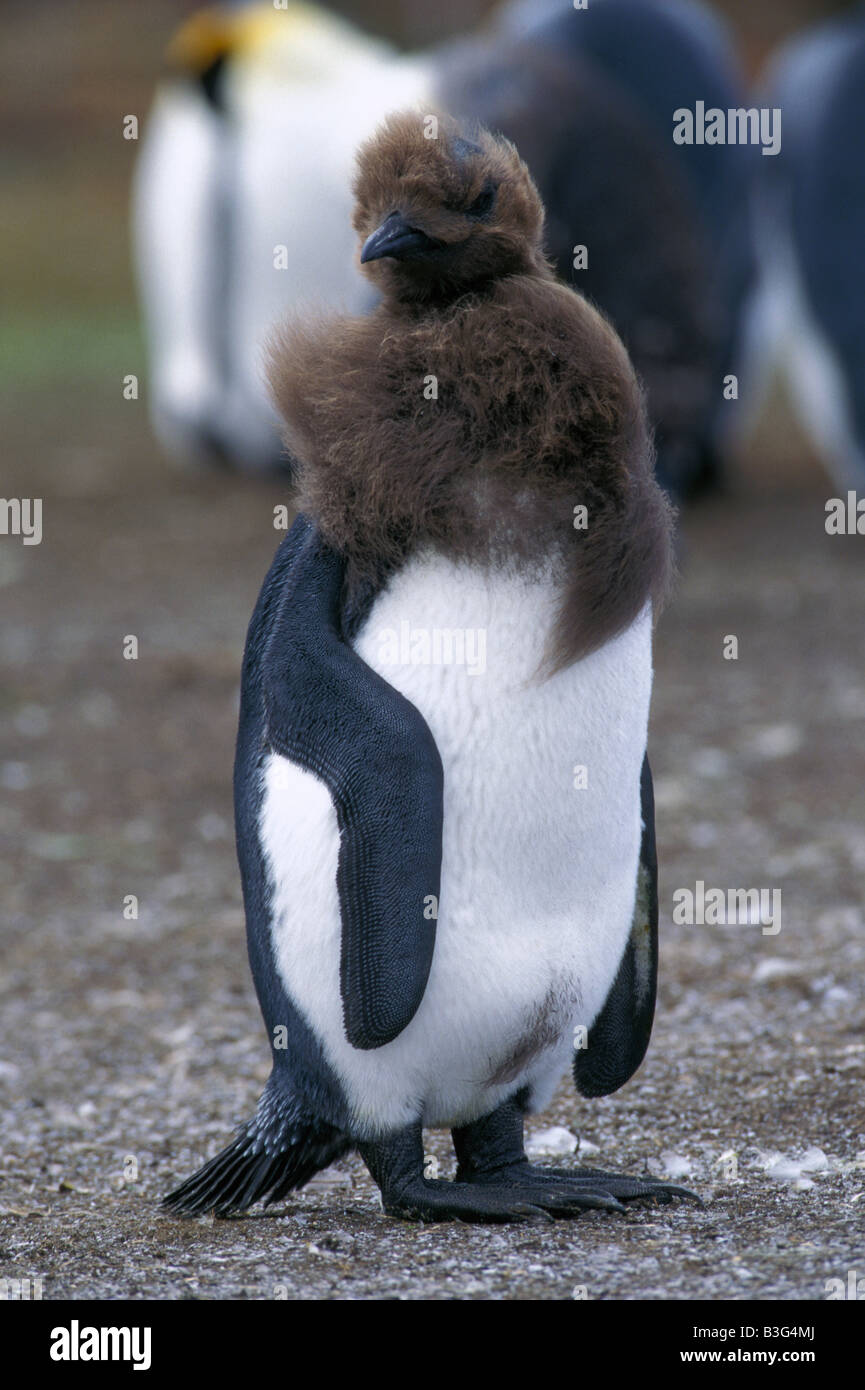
(396,1164)
(490,1154)
(436,1200)
(619,1187)
(495,1181)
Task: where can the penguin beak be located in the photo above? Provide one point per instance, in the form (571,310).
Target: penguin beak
(397,239)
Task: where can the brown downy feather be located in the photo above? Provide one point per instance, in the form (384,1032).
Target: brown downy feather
(536,409)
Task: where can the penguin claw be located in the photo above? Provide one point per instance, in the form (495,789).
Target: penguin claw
(630,1189)
(527,1212)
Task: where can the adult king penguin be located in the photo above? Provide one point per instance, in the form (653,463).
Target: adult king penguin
(810,319)
(435,910)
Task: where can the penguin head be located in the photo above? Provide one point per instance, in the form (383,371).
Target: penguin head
(441,211)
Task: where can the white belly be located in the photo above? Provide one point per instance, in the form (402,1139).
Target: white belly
(538,877)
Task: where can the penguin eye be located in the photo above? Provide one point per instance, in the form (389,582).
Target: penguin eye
(483,203)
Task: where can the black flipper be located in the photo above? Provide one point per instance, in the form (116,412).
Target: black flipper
(619,1036)
(306,694)
(327,711)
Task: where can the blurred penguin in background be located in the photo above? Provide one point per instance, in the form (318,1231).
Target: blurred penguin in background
(682,220)
(242,209)
(587,96)
(811,219)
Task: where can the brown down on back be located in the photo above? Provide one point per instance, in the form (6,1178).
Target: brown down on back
(537,408)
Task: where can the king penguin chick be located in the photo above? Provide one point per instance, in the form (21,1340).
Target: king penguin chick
(442,918)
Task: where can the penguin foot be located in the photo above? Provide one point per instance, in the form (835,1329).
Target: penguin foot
(435,1200)
(617,1188)
(498,1184)
(396,1163)
(490,1155)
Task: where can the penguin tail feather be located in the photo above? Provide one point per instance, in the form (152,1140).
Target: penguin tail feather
(274,1153)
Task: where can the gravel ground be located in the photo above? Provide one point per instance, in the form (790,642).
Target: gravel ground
(131,1047)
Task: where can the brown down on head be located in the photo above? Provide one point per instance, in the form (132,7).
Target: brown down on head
(480,402)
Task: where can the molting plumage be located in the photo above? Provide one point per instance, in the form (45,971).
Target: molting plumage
(536,408)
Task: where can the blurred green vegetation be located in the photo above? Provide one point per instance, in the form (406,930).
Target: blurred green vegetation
(69,304)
